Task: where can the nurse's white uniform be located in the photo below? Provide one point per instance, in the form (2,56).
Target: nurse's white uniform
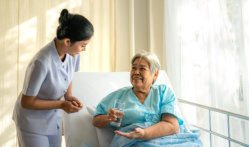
(47,77)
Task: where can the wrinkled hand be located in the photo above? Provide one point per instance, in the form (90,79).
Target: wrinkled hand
(76,102)
(113,115)
(138,133)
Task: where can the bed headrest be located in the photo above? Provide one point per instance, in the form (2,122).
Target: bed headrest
(93,86)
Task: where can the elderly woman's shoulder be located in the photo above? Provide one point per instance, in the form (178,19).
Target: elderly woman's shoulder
(162,87)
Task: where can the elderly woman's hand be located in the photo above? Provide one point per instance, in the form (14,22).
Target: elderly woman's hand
(113,115)
(138,133)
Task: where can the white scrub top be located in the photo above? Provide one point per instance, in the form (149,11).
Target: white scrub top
(160,100)
(48,78)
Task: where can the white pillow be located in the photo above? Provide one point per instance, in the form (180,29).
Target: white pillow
(80,130)
(105,135)
(91,109)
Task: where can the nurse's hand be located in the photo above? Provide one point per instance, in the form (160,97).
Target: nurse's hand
(138,133)
(74,101)
(69,107)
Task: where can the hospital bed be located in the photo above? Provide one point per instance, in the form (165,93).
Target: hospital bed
(90,88)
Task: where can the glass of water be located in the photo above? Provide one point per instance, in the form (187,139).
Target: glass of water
(118,108)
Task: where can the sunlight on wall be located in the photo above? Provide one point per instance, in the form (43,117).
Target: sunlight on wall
(8,81)
(53,14)
(72,4)
(23,34)
(28,30)
(27,46)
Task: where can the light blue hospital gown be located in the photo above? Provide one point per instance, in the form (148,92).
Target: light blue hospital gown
(160,100)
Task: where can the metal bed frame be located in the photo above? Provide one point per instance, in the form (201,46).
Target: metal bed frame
(210,131)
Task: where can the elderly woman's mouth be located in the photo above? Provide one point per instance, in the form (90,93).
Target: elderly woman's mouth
(137,78)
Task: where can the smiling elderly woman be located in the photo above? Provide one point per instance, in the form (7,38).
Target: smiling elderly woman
(150,113)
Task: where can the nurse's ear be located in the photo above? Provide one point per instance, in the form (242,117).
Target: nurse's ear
(67,42)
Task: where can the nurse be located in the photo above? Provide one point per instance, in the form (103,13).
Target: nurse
(37,113)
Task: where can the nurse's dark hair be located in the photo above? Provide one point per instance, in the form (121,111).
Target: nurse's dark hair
(74,26)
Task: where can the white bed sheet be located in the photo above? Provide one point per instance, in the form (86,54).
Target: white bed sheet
(90,88)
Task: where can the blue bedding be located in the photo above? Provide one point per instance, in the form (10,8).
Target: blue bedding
(184,138)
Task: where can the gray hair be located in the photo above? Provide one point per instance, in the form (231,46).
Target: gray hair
(151,59)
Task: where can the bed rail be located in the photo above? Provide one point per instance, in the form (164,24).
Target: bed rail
(210,131)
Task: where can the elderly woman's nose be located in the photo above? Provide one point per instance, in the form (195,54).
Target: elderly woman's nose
(136,71)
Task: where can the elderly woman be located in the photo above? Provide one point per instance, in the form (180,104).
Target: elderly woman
(150,112)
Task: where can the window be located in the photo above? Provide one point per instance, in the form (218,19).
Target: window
(208,39)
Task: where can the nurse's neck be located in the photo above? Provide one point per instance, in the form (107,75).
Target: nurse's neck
(61,48)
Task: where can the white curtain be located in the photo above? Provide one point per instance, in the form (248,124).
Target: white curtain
(139,27)
(207,58)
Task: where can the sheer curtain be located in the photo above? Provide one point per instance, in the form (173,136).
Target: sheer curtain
(139,25)
(207,58)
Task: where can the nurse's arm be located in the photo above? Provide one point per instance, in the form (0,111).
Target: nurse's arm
(34,103)
(167,126)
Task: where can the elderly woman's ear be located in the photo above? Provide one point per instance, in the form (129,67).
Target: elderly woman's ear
(155,76)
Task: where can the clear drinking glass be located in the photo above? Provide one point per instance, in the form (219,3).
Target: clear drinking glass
(118,108)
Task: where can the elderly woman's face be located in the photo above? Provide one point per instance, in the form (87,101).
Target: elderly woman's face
(140,75)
